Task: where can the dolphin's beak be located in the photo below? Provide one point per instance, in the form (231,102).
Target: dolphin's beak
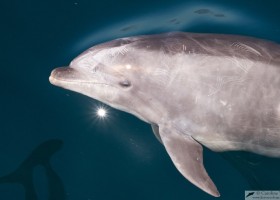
(64,75)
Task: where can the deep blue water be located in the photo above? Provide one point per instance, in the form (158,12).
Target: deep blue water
(118,158)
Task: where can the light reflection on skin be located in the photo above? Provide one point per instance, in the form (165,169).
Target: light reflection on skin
(128,66)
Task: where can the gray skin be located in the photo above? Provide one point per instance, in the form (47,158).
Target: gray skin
(221,91)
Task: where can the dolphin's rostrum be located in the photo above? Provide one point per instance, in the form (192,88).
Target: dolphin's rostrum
(221,91)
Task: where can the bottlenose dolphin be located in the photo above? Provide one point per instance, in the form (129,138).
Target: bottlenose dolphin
(254,169)
(220,91)
(24,173)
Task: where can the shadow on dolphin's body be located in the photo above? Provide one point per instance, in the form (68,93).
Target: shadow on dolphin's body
(24,173)
(260,171)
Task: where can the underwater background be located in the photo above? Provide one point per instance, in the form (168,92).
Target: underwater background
(52,145)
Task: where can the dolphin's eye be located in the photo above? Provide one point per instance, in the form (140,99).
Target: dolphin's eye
(125,83)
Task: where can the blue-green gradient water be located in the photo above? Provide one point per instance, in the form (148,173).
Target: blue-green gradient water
(52,138)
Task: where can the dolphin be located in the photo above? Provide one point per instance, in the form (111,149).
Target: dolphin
(253,168)
(219,91)
(40,156)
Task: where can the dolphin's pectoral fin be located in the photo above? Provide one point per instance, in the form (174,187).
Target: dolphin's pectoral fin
(186,155)
(156,132)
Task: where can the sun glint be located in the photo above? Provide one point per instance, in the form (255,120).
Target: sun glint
(101,112)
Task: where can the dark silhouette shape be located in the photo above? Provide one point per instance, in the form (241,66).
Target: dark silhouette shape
(260,171)
(129,28)
(24,173)
(250,194)
(203,11)
(174,21)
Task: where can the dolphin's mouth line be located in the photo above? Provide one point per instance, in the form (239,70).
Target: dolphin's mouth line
(81,82)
